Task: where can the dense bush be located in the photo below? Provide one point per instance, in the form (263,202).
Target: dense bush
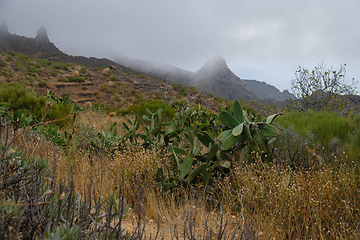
(61,66)
(18,97)
(325,126)
(3,64)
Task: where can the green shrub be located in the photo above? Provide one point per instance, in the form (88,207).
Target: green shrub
(18,97)
(60,65)
(62,79)
(80,79)
(104,88)
(9,58)
(55,73)
(3,64)
(176,86)
(42,84)
(71,79)
(4,73)
(326,126)
(83,70)
(113,78)
(84,88)
(117,98)
(46,63)
(17,67)
(11,53)
(142,76)
(23,57)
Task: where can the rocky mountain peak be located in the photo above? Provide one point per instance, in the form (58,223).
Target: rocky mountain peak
(215,77)
(41,35)
(4,29)
(214,64)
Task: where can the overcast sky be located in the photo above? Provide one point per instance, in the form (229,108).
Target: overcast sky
(259,39)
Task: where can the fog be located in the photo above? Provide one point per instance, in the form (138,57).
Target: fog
(259,39)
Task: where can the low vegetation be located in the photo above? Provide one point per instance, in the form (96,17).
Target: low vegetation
(170,169)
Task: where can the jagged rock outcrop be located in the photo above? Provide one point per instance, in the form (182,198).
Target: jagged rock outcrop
(40,46)
(216,78)
(42,35)
(4,31)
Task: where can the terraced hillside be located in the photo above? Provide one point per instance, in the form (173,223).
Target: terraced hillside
(115,87)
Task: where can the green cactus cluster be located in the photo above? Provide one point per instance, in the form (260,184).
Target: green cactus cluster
(199,153)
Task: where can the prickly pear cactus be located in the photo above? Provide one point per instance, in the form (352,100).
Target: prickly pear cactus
(243,130)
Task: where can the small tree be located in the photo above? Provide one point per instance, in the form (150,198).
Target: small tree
(318,88)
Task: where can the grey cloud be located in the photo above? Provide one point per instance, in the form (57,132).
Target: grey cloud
(275,35)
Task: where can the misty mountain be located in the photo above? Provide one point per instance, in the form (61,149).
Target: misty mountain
(162,71)
(264,90)
(216,78)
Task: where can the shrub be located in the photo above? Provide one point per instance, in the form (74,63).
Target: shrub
(46,63)
(60,65)
(80,79)
(83,70)
(176,86)
(17,66)
(23,57)
(84,88)
(55,73)
(18,97)
(42,84)
(104,88)
(71,79)
(62,79)
(11,53)
(324,125)
(142,76)
(3,64)
(117,98)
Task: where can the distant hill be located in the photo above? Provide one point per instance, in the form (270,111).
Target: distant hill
(266,91)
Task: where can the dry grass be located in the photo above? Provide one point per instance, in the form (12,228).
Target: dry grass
(322,202)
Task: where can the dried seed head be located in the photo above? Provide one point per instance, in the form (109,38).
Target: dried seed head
(88,105)
(48,105)
(12,151)
(75,74)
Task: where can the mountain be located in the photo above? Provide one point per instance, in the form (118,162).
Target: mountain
(266,91)
(216,78)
